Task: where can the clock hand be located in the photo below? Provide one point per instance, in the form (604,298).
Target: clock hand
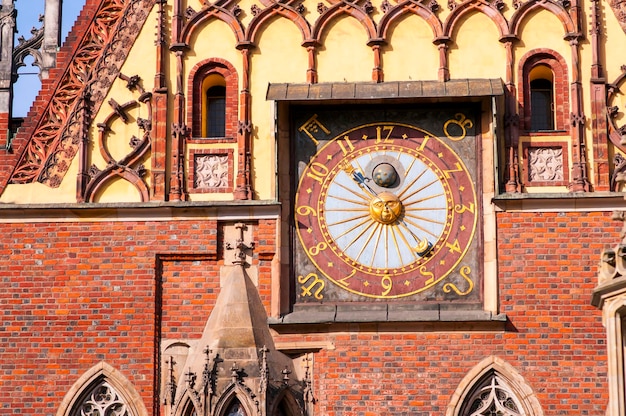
(359,178)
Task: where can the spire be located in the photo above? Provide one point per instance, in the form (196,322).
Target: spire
(236,354)
(51,35)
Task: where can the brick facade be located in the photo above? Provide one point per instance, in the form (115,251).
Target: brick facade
(75,294)
(78,293)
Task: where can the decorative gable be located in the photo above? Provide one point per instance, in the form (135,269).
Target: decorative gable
(59,119)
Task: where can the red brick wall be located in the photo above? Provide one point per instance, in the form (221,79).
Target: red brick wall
(74,294)
(547,271)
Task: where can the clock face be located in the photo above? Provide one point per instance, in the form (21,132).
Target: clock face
(385,210)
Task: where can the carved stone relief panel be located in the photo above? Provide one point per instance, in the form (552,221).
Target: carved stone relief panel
(211,170)
(545,164)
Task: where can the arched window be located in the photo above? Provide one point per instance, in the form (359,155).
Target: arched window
(215,109)
(212,109)
(544,92)
(541,98)
(102,390)
(491,388)
(491,396)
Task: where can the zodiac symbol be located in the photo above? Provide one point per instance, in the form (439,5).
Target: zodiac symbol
(462,122)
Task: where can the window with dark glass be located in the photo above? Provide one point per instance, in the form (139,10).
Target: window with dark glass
(542,105)
(216,111)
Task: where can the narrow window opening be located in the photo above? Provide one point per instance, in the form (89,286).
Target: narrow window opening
(216,111)
(541,98)
(542,104)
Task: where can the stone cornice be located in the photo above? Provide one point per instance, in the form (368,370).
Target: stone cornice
(559,202)
(149,211)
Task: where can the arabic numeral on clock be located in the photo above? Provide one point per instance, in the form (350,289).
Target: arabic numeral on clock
(346,145)
(460,209)
(344,281)
(306,210)
(317,172)
(457,168)
(426,273)
(423,144)
(315,250)
(454,247)
(387,284)
(379,134)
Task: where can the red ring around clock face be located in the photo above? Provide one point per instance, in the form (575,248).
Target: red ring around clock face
(392,237)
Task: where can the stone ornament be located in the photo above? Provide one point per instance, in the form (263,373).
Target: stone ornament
(546,164)
(211,171)
(103,400)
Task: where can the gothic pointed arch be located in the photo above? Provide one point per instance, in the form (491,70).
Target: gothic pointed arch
(529,7)
(349,9)
(402,9)
(286,405)
(277,9)
(494,387)
(209,12)
(115,173)
(102,388)
(475,6)
(236,393)
(187,404)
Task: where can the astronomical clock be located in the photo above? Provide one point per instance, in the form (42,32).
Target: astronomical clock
(386,204)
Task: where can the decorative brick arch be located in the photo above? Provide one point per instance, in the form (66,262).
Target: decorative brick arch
(348,9)
(479,6)
(527,8)
(194,103)
(404,8)
(558,66)
(95,376)
(512,381)
(209,12)
(277,9)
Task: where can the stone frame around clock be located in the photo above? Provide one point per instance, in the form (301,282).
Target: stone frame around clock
(286,310)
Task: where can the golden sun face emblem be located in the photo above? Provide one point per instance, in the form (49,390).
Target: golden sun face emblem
(386,208)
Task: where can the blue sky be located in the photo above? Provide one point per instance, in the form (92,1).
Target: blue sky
(28,12)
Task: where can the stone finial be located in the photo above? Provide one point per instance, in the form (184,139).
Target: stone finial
(240,247)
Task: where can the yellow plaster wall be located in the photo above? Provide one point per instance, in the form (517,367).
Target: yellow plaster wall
(141,61)
(611,53)
(214,39)
(278,58)
(345,56)
(37,193)
(118,190)
(542,30)
(476,51)
(410,53)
